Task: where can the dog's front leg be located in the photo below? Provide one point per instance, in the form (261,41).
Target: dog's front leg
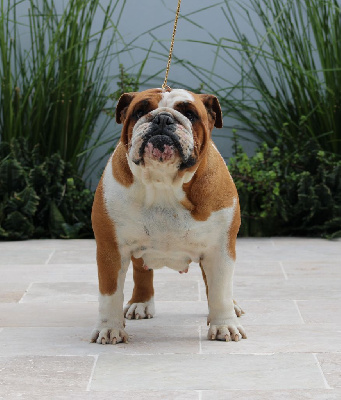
(110,325)
(112,269)
(224,324)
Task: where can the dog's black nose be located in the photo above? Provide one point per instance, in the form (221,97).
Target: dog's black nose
(163,120)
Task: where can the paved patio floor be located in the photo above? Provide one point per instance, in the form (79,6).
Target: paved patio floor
(290,289)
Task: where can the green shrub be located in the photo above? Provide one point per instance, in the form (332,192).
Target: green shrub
(41,197)
(288,193)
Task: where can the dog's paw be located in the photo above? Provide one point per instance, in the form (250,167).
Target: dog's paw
(140,310)
(109,335)
(237,309)
(230,330)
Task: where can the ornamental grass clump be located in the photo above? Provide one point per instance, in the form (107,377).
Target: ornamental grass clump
(290,71)
(53,92)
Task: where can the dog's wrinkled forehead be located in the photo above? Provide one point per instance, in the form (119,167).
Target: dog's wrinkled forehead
(153,102)
(169,99)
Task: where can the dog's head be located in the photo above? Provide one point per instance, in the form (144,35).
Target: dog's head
(167,128)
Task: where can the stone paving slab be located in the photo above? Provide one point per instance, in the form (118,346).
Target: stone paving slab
(80,292)
(310,269)
(114,395)
(48,315)
(32,374)
(48,273)
(290,289)
(12,292)
(182,339)
(184,395)
(321,310)
(212,371)
(296,289)
(331,367)
(307,338)
(10,256)
(168,313)
(272,395)
(74,341)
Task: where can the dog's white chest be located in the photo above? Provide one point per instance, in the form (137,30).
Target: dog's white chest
(164,233)
(170,238)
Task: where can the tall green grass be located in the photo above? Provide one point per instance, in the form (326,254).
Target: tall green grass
(54,92)
(289,70)
(293,74)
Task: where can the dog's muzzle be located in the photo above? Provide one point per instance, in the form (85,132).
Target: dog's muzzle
(161,141)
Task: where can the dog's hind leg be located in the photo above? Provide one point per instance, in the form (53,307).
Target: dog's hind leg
(141,304)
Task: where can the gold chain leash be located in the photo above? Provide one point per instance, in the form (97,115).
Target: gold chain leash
(165,86)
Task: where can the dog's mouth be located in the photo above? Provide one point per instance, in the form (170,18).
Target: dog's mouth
(163,141)
(163,148)
(160,148)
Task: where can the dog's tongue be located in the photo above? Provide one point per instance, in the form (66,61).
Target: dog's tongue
(154,152)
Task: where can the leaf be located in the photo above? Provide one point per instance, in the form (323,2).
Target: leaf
(72,231)
(12,176)
(17,226)
(3,233)
(56,221)
(25,202)
(5,150)
(38,177)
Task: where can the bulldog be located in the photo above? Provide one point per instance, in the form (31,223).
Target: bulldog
(165,198)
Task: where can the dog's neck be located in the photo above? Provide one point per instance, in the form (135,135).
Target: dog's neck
(160,183)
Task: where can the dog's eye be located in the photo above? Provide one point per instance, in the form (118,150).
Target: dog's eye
(190,115)
(140,113)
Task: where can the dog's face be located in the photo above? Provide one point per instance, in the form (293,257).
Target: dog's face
(166,128)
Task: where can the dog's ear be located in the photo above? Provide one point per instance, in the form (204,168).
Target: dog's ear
(213,109)
(122,105)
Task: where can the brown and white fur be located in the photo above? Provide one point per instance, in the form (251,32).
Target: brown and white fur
(166,198)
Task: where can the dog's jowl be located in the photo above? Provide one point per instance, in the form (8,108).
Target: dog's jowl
(166,198)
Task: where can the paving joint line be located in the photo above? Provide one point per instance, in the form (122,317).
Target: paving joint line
(283,270)
(92,372)
(321,372)
(299,311)
(199,290)
(200,346)
(26,291)
(50,256)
